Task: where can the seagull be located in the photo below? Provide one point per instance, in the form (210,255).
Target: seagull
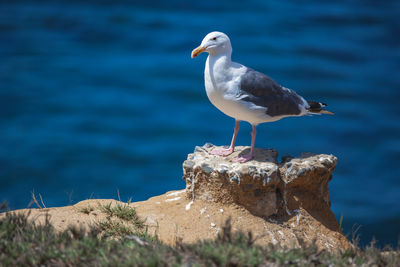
(245,94)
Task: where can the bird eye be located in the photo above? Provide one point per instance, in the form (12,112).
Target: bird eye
(214,38)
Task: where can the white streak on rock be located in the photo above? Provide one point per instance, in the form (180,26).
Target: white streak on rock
(298,216)
(175,193)
(172,199)
(188,205)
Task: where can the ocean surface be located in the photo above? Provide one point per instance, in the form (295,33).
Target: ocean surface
(102,97)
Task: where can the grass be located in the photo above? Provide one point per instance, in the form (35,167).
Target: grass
(87,210)
(122,220)
(118,229)
(123,212)
(119,242)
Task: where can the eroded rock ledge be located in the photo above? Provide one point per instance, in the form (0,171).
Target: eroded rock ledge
(263,186)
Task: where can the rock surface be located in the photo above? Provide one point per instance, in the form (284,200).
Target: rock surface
(286,203)
(263,186)
(252,184)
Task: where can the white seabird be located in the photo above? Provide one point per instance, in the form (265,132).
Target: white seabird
(245,94)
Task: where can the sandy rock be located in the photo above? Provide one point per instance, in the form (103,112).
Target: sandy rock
(261,185)
(252,184)
(309,174)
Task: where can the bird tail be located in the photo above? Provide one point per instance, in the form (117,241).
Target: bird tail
(316,108)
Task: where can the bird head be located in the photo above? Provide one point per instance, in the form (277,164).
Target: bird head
(214,43)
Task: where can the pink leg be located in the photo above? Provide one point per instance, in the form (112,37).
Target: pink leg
(249,156)
(227,151)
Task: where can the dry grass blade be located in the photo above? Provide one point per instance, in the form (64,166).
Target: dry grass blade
(34,200)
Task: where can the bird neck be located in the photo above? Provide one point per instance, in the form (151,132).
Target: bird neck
(220,60)
(217,69)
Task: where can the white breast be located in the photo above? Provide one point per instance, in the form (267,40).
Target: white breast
(222,80)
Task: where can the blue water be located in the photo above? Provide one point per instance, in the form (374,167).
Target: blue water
(100,97)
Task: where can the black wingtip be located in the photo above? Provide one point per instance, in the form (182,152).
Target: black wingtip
(316,107)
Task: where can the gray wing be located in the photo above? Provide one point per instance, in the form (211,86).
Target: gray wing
(261,90)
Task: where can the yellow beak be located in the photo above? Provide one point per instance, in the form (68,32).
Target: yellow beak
(197,51)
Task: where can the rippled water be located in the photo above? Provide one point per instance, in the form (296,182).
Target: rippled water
(100,97)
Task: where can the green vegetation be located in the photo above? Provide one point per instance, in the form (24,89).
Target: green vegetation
(124,242)
(87,210)
(122,221)
(123,212)
(118,229)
